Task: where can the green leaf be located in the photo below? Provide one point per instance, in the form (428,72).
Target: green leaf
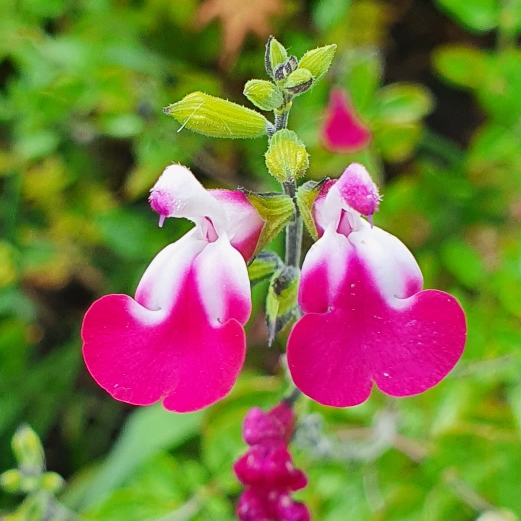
(402,103)
(499,93)
(263,266)
(363,78)
(148,431)
(464,66)
(318,61)
(263,94)
(397,142)
(463,262)
(286,157)
(216,117)
(306,195)
(478,15)
(276,210)
(281,302)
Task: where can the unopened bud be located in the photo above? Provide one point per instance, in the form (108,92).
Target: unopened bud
(298,81)
(216,117)
(318,61)
(263,94)
(286,157)
(275,55)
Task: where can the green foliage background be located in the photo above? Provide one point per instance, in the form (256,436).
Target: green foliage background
(82,139)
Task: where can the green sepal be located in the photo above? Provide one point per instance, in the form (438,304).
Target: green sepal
(275,209)
(281,302)
(275,55)
(286,157)
(306,195)
(264,266)
(318,61)
(51,482)
(263,94)
(216,117)
(11,481)
(298,81)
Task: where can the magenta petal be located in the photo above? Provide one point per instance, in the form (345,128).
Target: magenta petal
(140,356)
(327,361)
(360,335)
(419,345)
(342,130)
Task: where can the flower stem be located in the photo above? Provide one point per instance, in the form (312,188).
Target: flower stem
(293,229)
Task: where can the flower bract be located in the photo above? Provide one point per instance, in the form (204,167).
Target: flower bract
(181,338)
(366,319)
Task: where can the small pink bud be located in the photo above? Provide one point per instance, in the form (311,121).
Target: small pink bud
(251,507)
(285,417)
(258,426)
(358,190)
(289,510)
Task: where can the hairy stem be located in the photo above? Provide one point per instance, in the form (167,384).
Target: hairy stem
(293,229)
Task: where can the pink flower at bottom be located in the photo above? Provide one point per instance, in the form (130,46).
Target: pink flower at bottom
(181,339)
(343,132)
(267,468)
(366,319)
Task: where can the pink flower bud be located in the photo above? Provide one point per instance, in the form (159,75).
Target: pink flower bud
(289,510)
(252,507)
(259,426)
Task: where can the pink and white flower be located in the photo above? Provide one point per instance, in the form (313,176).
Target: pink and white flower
(181,339)
(366,319)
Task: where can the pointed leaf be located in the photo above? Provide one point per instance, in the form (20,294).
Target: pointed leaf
(216,117)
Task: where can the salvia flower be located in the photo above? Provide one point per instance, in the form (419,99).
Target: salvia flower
(366,319)
(343,132)
(267,468)
(181,338)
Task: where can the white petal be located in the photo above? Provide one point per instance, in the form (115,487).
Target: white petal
(161,282)
(391,265)
(223,283)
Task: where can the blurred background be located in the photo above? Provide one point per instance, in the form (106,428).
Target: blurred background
(82,139)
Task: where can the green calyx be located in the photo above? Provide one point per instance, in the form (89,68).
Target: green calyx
(281,302)
(286,157)
(306,195)
(298,82)
(263,94)
(275,209)
(318,61)
(264,266)
(275,55)
(216,117)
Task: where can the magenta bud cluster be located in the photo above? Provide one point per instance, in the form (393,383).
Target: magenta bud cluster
(267,469)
